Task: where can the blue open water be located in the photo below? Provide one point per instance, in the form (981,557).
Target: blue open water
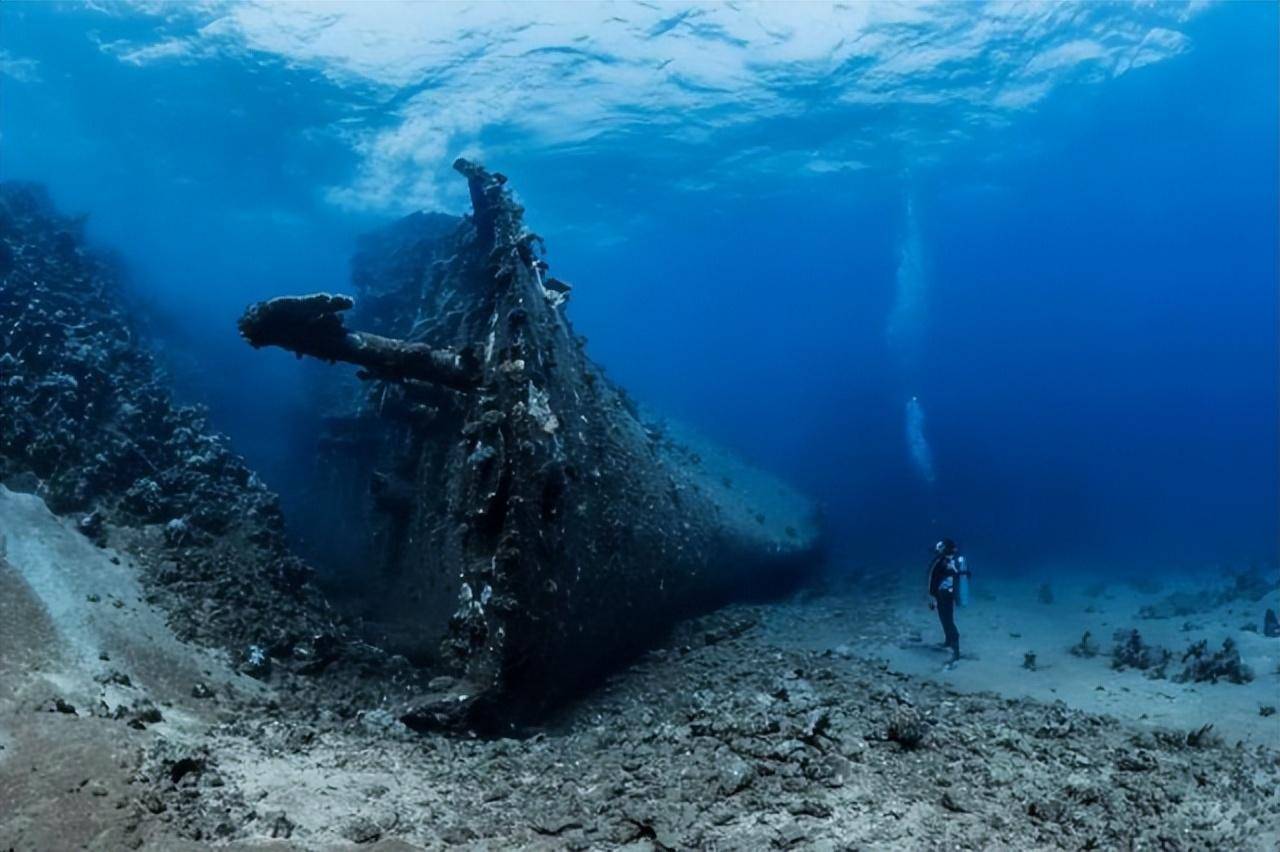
(1054,226)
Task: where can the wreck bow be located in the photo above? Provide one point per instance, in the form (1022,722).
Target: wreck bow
(530,522)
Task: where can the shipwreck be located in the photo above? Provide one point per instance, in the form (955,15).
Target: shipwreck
(521,522)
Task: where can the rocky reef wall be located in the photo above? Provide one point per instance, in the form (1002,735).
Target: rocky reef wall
(88,424)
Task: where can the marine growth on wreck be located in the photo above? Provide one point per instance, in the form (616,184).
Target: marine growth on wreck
(526,511)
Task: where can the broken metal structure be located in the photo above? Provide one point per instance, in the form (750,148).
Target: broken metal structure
(520,512)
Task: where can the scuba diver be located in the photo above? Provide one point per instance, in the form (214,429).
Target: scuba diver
(945,572)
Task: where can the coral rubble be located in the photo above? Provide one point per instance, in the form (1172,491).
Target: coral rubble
(706,745)
(1130,651)
(1223,664)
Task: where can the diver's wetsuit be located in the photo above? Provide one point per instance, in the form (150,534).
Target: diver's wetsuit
(942,585)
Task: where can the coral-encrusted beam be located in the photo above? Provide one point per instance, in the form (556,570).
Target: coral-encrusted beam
(312,325)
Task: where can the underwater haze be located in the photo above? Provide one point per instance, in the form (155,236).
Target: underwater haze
(1002,272)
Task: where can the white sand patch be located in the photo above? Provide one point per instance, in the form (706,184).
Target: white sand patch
(89,604)
(1007,620)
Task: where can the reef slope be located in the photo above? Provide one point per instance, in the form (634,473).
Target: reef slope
(89,426)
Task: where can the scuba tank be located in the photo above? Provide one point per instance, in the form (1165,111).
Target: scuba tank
(962,582)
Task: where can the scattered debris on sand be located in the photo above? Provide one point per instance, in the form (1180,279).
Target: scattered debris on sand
(1130,652)
(1223,664)
(1201,737)
(1199,665)
(1270,624)
(1086,647)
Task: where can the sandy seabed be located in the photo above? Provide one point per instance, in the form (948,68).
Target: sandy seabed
(823,722)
